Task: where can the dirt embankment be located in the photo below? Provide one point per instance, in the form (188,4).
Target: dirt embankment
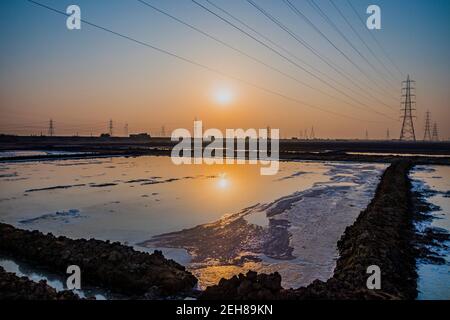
(110,265)
(382,235)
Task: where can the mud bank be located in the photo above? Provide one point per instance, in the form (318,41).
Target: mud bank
(110,265)
(382,235)
(13,287)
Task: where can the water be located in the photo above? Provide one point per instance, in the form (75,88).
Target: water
(131,200)
(434,280)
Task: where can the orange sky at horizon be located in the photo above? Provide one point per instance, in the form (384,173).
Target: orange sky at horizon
(83,79)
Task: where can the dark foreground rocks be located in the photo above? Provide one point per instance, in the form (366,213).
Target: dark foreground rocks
(13,287)
(109,265)
(382,235)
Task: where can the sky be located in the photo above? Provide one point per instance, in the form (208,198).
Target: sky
(318,74)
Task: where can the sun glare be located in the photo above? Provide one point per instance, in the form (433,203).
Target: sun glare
(223,96)
(223,181)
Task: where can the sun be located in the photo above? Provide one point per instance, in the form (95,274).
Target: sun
(223,182)
(223,96)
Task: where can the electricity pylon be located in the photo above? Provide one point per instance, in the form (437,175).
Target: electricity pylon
(407,132)
(435,136)
(427,134)
(110,127)
(51,128)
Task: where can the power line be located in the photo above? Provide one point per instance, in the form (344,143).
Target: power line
(237,50)
(286,58)
(300,14)
(375,39)
(187,60)
(249,56)
(315,52)
(312,50)
(337,29)
(334,67)
(363,41)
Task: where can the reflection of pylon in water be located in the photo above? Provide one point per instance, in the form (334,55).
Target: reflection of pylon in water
(435,136)
(407,132)
(427,134)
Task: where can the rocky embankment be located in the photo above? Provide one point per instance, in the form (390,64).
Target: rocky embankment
(13,287)
(382,235)
(109,265)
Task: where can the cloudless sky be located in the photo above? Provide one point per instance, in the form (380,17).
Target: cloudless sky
(83,78)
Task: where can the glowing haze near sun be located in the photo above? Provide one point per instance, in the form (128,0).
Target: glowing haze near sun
(223,96)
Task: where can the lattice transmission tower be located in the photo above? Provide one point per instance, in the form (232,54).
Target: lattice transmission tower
(51,128)
(408,103)
(427,134)
(312,135)
(435,136)
(110,128)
